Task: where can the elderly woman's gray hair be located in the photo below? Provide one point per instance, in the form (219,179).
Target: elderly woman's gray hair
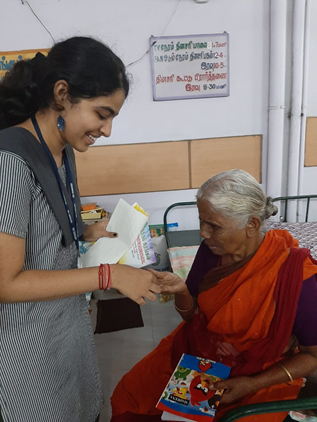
(236,194)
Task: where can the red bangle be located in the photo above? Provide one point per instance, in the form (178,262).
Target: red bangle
(100,274)
(109,278)
(104,277)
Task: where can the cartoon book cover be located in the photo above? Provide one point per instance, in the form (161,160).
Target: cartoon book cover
(188,393)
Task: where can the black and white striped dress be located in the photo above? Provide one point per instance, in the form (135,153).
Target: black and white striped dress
(48,364)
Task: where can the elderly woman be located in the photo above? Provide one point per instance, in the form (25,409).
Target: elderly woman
(248,302)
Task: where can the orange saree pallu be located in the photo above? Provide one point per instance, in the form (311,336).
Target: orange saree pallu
(244,319)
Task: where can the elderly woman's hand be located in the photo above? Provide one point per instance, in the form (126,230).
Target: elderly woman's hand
(235,388)
(169,282)
(95,231)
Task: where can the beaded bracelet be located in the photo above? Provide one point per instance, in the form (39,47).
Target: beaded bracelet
(291,381)
(184,310)
(104,277)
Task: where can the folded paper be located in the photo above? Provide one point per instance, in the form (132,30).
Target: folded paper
(128,223)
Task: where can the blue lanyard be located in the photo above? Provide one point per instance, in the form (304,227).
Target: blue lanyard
(73,223)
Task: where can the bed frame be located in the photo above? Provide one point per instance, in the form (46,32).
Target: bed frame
(272,407)
(287,199)
(180,237)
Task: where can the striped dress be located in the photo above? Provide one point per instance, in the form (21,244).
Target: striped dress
(48,364)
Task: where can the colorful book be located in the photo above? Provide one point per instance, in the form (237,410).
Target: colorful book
(189,393)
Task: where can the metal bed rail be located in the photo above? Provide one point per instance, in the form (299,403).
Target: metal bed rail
(180,237)
(270,407)
(299,197)
(177,204)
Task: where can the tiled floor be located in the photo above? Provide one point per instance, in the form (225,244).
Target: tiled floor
(119,351)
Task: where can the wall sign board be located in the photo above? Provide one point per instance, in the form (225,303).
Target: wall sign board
(190,66)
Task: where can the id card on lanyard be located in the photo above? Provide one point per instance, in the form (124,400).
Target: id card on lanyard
(69,179)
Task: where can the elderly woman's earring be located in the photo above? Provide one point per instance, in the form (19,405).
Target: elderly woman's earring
(60,123)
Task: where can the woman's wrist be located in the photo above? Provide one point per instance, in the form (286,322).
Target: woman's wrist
(105,279)
(183,293)
(185,308)
(120,273)
(254,384)
(275,374)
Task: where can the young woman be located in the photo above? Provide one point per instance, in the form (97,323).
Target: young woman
(48,106)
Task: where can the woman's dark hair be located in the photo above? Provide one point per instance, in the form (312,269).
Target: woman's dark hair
(90,68)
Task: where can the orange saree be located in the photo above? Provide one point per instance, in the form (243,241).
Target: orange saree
(245,321)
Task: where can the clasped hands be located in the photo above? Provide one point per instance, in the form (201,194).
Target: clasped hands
(169,283)
(145,284)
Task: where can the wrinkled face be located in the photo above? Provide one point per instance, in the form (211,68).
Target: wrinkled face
(89,119)
(222,235)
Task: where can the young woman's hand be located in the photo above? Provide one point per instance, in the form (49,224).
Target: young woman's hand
(169,282)
(95,231)
(134,283)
